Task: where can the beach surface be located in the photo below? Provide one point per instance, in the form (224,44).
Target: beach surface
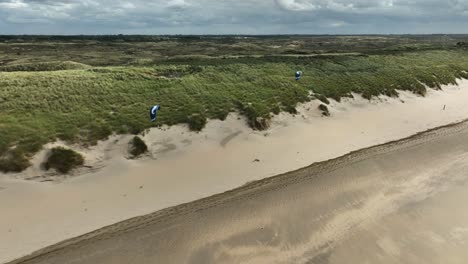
(184,166)
(400,202)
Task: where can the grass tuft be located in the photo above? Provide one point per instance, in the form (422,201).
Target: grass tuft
(14,161)
(322,98)
(44,66)
(197,122)
(324,110)
(63,160)
(137,147)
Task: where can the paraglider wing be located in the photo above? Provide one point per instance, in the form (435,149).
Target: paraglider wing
(298,75)
(153,112)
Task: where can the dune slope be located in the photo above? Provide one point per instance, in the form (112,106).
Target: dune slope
(393,203)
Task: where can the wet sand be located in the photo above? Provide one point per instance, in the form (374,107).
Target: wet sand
(185,166)
(401,202)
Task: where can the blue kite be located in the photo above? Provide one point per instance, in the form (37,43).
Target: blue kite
(298,75)
(153,111)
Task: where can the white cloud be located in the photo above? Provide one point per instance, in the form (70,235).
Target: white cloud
(178,4)
(14,4)
(337,24)
(343,5)
(298,5)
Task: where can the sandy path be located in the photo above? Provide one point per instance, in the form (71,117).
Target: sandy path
(192,166)
(348,210)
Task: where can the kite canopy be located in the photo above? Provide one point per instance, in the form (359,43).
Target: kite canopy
(298,75)
(153,112)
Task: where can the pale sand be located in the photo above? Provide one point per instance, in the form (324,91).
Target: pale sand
(401,202)
(191,166)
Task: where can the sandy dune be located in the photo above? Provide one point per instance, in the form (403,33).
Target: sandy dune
(187,166)
(400,202)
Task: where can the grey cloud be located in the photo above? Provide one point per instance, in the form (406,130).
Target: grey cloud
(395,7)
(304,5)
(232,16)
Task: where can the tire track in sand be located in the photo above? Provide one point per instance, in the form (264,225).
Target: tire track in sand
(247,192)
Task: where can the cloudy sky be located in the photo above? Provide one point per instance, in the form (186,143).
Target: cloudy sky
(232,16)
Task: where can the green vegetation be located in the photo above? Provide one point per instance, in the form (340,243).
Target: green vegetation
(197,121)
(42,101)
(63,160)
(135,50)
(43,66)
(14,161)
(462,44)
(322,98)
(137,147)
(324,109)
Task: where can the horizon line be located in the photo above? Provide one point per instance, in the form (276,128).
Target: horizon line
(202,35)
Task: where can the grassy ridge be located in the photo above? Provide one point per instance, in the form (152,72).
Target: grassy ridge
(44,66)
(88,104)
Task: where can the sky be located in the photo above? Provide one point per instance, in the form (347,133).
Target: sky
(69,17)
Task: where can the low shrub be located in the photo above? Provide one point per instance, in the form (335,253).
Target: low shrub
(257,115)
(290,109)
(324,110)
(197,122)
(63,160)
(322,98)
(276,109)
(137,146)
(14,161)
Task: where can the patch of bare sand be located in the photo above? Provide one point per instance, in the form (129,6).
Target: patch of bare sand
(96,157)
(186,166)
(393,203)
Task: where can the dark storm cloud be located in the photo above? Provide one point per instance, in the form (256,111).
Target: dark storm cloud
(232,16)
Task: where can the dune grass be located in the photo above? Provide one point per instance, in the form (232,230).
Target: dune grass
(44,66)
(85,105)
(324,109)
(63,160)
(137,147)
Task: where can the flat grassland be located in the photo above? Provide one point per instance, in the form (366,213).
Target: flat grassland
(81,89)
